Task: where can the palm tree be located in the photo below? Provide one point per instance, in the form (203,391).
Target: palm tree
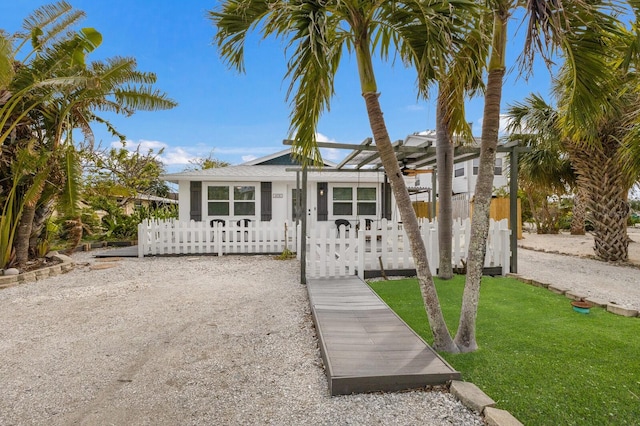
(546,169)
(600,144)
(465,336)
(462,78)
(605,167)
(51,93)
(317,33)
(554,28)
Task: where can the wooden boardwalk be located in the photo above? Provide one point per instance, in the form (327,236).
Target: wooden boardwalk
(365,346)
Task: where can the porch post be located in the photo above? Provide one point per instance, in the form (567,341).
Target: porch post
(303,237)
(513,208)
(433,194)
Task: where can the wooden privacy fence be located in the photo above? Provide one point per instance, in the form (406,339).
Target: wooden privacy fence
(346,251)
(157,237)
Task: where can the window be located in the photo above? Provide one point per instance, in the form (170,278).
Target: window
(366,201)
(219,201)
(459,171)
(498,167)
(496,171)
(342,201)
(244,200)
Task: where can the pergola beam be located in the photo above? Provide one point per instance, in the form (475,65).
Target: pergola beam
(353,154)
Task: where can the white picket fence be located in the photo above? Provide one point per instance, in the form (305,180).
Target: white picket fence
(331,252)
(341,252)
(156,237)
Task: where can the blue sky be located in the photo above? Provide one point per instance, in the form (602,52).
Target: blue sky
(241,117)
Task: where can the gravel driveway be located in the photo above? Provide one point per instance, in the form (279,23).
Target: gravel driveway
(203,340)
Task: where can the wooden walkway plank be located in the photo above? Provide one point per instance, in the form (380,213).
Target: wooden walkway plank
(365,346)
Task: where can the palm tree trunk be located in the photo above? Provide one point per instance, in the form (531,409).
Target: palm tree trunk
(42,214)
(25,225)
(441,338)
(74,232)
(444,165)
(23,233)
(579,211)
(602,177)
(466,336)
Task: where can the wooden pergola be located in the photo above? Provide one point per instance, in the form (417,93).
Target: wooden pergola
(364,157)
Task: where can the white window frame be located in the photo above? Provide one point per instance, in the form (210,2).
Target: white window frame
(231,200)
(497,168)
(354,201)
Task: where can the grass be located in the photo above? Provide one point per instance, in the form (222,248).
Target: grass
(538,359)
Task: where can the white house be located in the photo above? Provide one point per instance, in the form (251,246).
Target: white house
(267,188)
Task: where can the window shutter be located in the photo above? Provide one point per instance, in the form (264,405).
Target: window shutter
(386,200)
(265,201)
(195,210)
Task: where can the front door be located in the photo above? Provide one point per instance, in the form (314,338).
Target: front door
(322,201)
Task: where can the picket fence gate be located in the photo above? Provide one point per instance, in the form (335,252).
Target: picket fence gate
(334,252)
(157,237)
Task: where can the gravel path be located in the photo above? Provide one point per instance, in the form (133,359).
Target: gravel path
(586,277)
(576,269)
(203,340)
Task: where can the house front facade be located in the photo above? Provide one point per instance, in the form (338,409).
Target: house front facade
(269,189)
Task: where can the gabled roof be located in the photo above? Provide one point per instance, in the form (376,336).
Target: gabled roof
(281,158)
(262,173)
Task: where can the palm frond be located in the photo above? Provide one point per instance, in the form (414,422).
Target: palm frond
(234,22)
(591,48)
(49,23)
(6,63)
(143,98)
(70,196)
(311,69)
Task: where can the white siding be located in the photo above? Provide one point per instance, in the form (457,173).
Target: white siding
(184,198)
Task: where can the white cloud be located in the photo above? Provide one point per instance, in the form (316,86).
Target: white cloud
(415,107)
(323,138)
(504,122)
(244,150)
(144,145)
(170,156)
(332,154)
(177,156)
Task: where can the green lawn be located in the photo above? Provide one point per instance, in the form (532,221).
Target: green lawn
(538,359)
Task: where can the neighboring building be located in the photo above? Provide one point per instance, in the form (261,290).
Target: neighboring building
(129,204)
(267,189)
(465,173)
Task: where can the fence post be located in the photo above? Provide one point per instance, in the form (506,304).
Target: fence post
(361,254)
(141,238)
